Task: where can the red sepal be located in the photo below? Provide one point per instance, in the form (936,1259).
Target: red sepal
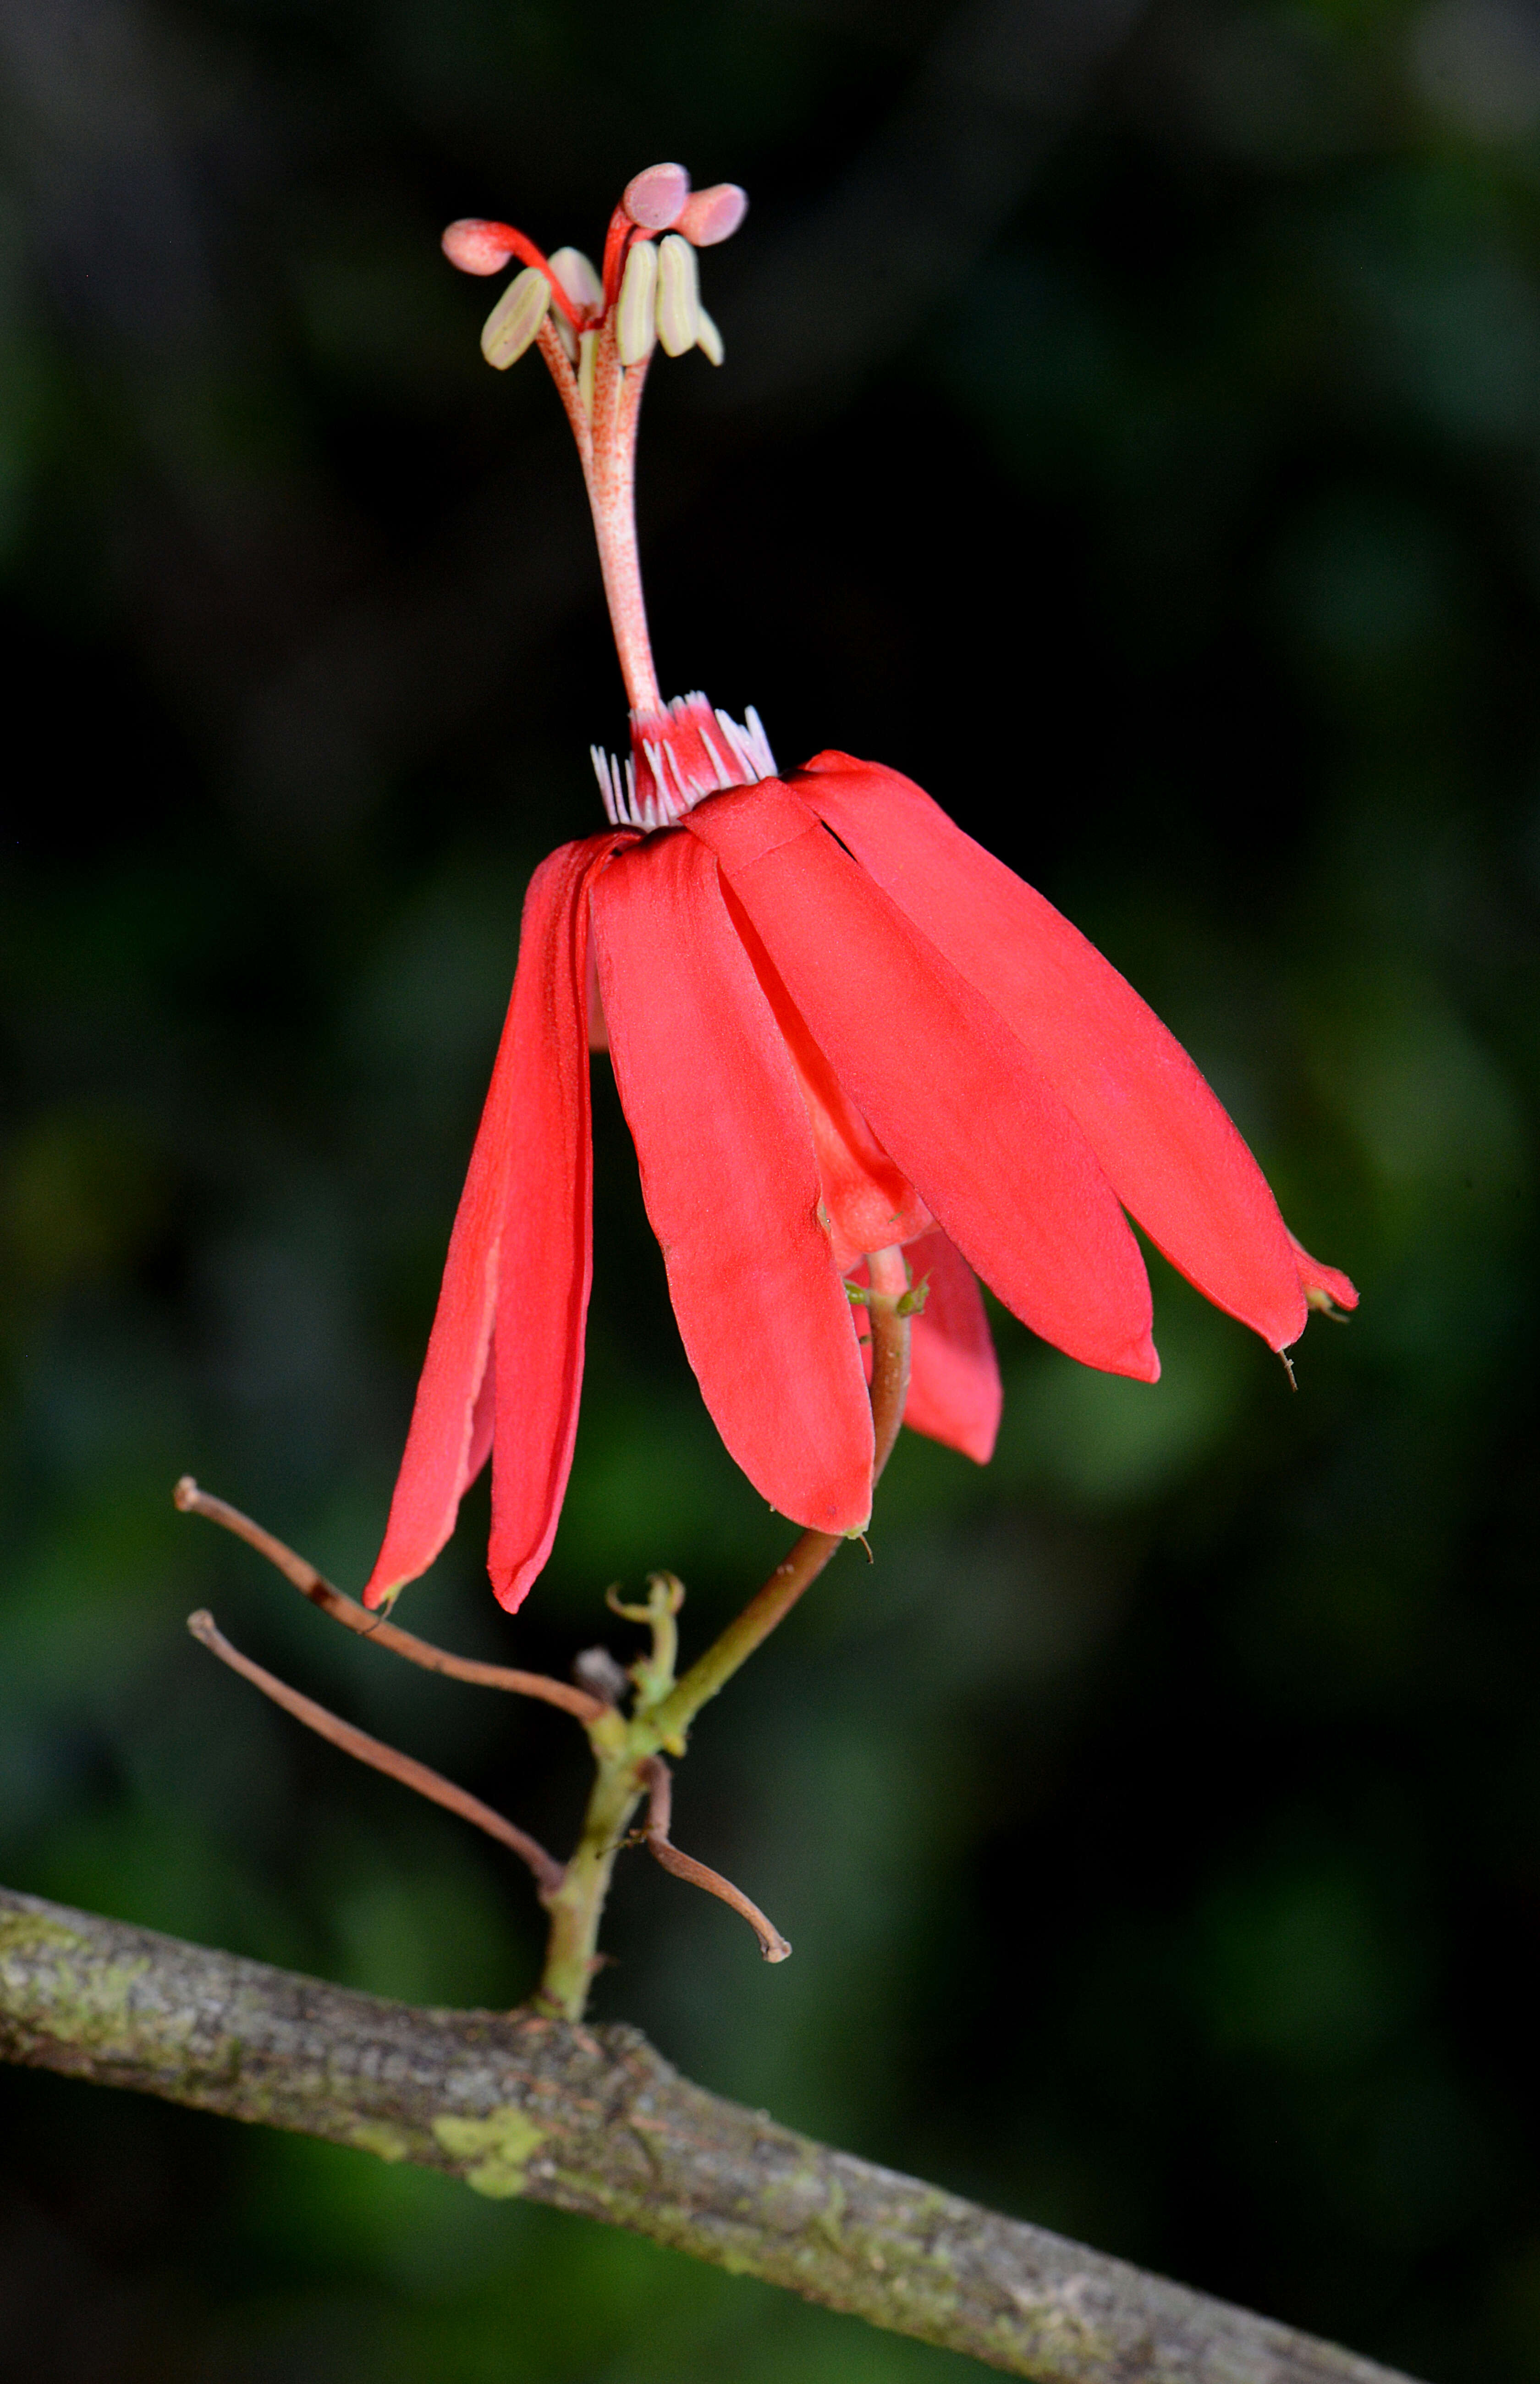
(1320,1279)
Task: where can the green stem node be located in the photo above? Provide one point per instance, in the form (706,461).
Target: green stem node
(665,1708)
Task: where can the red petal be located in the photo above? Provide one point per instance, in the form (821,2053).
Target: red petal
(542,1299)
(483,1418)
(869,1203)
(523,1217)
(731,1184)
(954,1393)
(1169,1150)
(946,1087)
(1318,1279)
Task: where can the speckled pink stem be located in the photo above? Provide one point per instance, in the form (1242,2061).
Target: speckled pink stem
(608,448)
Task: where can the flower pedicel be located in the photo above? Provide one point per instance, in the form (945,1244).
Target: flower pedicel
(840,1028)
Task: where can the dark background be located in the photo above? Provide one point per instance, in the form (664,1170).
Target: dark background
(1130,427)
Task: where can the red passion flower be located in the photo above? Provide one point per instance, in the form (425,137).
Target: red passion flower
(838,1026)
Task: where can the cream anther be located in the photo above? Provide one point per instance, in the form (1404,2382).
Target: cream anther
(679,295)
(708,339)
(516,318)
(635,323)
(578,278)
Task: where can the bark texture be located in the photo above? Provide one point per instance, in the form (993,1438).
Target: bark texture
(594,2121)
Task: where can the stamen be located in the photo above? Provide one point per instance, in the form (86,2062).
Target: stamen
(517,316)
(636,324)
(579,279)
(678,296)
(596,331)
(708,339)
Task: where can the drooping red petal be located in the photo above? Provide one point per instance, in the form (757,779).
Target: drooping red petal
(525,1210)
(954,1389)
(547,1270)
(1324,1286)
(1168,1149)
(483,1418)
(946,1087)
(954,1393)
(869,1203)
(731,1184)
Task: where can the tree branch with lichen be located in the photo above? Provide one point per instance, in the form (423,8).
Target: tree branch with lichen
(532,2103)
(594,2121)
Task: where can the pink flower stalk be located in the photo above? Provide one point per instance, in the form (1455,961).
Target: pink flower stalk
(837,1024)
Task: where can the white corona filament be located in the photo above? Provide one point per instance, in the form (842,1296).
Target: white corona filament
(675,788)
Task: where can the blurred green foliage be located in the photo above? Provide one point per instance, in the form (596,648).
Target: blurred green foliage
(1145,454)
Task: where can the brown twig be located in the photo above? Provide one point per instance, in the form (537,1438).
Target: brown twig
(354,1617)
(549,1873)
(660,1799)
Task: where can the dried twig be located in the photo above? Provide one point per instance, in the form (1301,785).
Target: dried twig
(354,1617)
(655,1838)
(549,1873)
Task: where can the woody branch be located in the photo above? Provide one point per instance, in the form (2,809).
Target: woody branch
(595,2122)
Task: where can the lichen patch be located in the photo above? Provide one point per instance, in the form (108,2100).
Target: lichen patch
(496,2149)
